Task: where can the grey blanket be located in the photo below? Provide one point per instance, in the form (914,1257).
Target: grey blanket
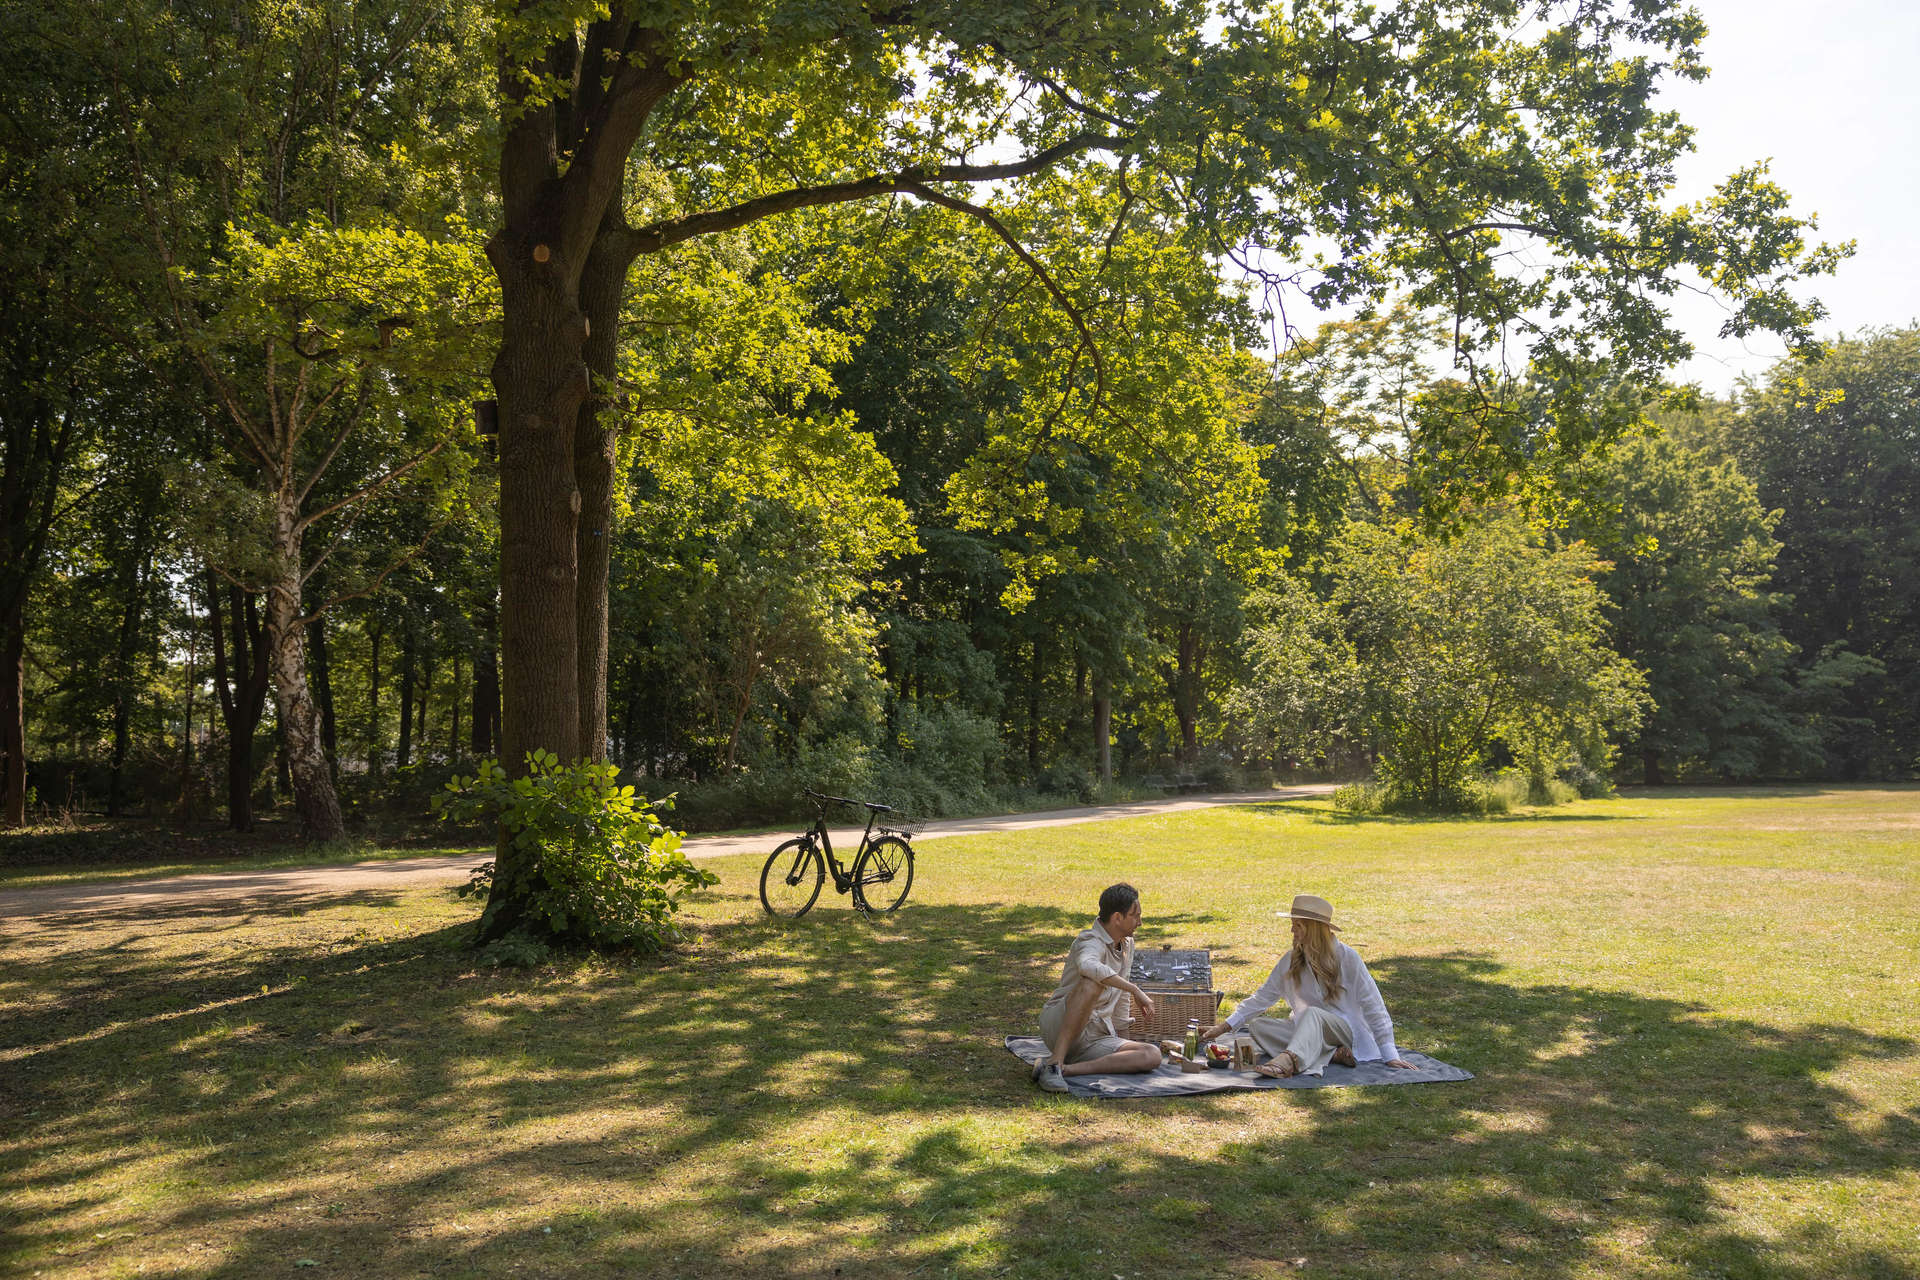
(1170,1082)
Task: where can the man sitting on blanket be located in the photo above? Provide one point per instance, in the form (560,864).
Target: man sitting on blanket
(1077,1023)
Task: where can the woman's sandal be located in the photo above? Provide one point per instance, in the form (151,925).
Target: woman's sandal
(1284,1064)
(1343,1057)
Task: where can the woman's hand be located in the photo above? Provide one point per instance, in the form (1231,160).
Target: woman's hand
(1215,1031)
(1402,1064)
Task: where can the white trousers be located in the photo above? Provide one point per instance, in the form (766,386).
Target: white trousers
(1310,1035)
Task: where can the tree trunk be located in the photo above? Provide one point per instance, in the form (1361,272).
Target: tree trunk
(13,714)
(540,379)
(186,726)
(1650,768)
(403,753)
(486,701)
(453,711)
(1103,727)
(134,588)
(602,286)
(376,749)
(243,698)
(323,690)
(424,702)
(313,794)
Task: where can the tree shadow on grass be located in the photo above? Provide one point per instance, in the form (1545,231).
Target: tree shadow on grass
(829,1097)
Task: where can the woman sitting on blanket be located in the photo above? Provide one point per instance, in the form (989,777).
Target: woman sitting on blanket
(1338,1015)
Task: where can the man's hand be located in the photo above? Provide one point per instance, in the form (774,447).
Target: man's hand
(1143,1003)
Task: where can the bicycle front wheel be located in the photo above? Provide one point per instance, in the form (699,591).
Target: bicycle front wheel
(883,875)
(790,882)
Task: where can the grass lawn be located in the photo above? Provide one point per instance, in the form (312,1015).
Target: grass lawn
(1694,1017)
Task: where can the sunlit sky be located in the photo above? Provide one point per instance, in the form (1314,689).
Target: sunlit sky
(1830,93)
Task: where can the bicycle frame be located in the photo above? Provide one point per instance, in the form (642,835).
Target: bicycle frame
(818,834)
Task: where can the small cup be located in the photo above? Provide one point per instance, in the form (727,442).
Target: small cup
(1243,1052)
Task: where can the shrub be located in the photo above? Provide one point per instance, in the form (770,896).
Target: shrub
(1361,797)
(940,760)
(1067,777)
(1588,784)
(595,866)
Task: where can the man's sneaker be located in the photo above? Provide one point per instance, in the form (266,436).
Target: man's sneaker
(1049,1077)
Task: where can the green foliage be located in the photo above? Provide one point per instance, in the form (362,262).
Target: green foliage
(1429,651)
(1691,549)
(1834,445)
(601,869)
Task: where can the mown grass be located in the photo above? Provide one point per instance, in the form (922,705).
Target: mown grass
(1693,1020)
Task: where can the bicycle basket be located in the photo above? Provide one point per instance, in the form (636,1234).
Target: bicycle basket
(900,824)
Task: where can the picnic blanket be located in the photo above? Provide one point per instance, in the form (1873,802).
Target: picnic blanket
(1169,1081)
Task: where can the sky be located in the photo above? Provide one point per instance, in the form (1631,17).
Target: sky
(1830,93)
(1830,96)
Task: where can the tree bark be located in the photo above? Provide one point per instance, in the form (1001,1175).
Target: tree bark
(314,798)
(243,698)
(1650,768)
(486,701)
(540,379)
(323,691)
(603,285)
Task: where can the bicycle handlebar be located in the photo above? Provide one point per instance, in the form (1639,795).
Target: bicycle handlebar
(877,808)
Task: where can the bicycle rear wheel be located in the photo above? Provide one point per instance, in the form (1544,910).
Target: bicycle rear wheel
(791,879)
(883,875)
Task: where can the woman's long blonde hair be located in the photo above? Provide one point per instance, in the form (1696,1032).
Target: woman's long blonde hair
(1315,951)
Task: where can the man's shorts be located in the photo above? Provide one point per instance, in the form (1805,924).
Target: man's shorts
(1094,1042)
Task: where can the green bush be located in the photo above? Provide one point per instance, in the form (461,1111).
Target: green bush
(594,864)
(775,793)
(940,760)
(1067,777)
(1361,797)
(1588,784)
(1486,794)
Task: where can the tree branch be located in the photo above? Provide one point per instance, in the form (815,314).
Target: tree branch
(370,487)
(660,235)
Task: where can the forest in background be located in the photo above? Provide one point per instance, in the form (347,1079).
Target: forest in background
(860,537)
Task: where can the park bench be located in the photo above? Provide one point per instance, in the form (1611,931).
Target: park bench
(1180,782)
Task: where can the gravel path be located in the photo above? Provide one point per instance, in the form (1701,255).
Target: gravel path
(316,884)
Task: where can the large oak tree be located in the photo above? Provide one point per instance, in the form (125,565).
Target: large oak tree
(1341,149)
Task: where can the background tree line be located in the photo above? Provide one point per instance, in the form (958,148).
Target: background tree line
(944,498)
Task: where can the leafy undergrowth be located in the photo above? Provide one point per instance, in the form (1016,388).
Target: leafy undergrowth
(1692,1022)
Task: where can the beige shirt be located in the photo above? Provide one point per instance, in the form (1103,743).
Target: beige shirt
(1095,955)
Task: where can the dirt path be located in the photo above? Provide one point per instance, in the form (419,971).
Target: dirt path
(212,888)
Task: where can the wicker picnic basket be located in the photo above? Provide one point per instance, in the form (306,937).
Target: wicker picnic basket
(1180,982)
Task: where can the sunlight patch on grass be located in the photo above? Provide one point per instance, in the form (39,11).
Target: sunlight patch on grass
(1681,1070)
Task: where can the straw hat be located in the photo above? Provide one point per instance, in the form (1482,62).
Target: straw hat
(1308,907)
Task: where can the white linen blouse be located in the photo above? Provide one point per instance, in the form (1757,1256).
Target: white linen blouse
(1359,1003)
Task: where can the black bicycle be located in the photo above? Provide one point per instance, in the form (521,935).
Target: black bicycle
(882,866)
